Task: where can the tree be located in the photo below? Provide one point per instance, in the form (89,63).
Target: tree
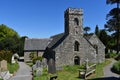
(9,39)
(7,32)
(97,30)
(86,29)
(21,46)
(113,23)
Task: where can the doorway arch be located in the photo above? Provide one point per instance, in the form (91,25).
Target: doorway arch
(76,60)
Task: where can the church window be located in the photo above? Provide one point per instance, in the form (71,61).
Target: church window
(96,47)
(76,21)
(76,46)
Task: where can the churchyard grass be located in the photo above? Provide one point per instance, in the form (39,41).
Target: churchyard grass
(71,72)
(68,73)
(99,69)
(29,63)
(13,67)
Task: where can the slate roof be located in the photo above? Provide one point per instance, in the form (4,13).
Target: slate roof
(56,39)
(88,36)
(36,44)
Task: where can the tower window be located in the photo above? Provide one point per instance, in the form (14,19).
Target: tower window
(76,21)
(76,46)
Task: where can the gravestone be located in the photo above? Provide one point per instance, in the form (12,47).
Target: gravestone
(38,64)
(39,71)
(38,67)
(5,75)
(34,67)
(3,65)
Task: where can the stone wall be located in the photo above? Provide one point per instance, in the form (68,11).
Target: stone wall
(27,57)
(65,51)
(100,46)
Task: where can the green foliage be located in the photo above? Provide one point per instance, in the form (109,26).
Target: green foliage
(6,55)
(44,76)
(117,57)
(113,23)
(37,58)
(97,30)
(9,39)
(73,68)
(86,29)
(7,32)
(99,69)
(110,55)
(13,67)
(116,67)
(33,55)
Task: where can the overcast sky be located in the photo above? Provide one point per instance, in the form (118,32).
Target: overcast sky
(44,18)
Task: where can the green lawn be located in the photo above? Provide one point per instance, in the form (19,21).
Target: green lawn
(71,72)
(13,67)
(99,69)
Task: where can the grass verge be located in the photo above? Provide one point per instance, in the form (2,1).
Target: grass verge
(99,69)
(13,67)
(71,72)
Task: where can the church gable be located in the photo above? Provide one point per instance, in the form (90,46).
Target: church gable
(99,46)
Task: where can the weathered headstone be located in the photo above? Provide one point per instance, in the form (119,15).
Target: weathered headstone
(34,67)
(39,71)
(38,64)
(3,65)
(5,75)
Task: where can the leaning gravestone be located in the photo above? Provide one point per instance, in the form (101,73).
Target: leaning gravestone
(3,65)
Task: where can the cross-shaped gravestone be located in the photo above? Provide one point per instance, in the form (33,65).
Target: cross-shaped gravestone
(87,63)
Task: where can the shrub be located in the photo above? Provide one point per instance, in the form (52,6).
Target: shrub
(110,55)
(33,55)
(118,57)
(37,58)
(116,67)
(6,55)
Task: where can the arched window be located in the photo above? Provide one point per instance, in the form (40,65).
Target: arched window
(76,21)
(96,47)
(76,46)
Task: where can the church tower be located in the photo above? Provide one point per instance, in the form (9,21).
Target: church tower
(73,21)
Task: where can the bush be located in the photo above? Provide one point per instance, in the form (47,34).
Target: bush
(13,67)
(116,67)
(118,57)
(6,55)
(110,55)
(37,58)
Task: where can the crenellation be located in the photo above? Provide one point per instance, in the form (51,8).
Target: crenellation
(74,11)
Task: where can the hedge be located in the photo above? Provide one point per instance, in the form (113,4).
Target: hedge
(6,55)
(116,67)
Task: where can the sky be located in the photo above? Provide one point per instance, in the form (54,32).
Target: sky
(44,18)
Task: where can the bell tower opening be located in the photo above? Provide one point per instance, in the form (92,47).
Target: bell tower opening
(73,21)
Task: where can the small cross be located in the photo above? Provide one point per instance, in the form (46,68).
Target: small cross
(87,63)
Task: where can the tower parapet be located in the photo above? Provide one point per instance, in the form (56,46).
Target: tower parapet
(74,11)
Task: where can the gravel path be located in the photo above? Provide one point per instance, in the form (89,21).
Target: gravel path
(24,72)
(108,72)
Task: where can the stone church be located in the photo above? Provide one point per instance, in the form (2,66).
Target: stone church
(69,48)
